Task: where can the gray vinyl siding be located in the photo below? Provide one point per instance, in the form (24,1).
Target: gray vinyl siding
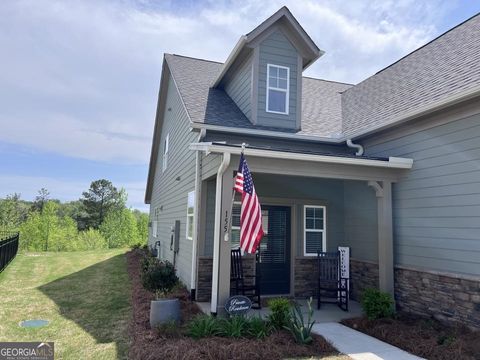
(169,192)
(210,165)
(239,87)
(277,50)
(437,206)
(360,221)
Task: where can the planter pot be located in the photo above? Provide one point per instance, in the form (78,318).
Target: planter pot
(164,311)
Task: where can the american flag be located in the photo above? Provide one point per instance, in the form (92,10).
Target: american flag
(251,231)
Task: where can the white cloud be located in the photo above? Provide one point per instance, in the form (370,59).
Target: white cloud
(81,78)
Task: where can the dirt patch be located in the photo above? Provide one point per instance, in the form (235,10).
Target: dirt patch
(171,343)
(423,337)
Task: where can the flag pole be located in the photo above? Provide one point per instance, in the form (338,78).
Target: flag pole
(228,221)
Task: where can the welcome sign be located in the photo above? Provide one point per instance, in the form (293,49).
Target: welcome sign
(238,305)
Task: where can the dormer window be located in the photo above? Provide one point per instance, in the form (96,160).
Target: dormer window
(278,85)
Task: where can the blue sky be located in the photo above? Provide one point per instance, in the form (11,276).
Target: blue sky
(79,79)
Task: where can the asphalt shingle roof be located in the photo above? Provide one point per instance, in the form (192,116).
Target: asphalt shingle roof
(321,103)
(444,67)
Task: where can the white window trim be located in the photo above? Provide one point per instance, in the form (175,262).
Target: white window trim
(286,91)
(324,231)
(166,148)
(192,215)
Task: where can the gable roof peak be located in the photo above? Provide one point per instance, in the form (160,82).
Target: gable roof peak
(309,50)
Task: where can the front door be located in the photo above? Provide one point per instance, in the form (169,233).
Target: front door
(274,263)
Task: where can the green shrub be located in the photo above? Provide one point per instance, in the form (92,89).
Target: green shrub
(204,326)
(158,276)
(234,326)
(258,328)
(280,312)
(91,239)
(300,329)
(377,304)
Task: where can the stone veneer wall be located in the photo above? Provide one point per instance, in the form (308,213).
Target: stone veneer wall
(450,298)
(305,277)
(204,279)
(363,275)
(204,276)
(447,297)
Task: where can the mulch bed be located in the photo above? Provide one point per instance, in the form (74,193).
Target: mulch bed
(423,337)
(172,343)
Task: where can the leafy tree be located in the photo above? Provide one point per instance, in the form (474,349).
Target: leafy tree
(76,211)
(40,200)
(13,212)
(120,228)
(46,231)
(91,239)
(142,225)
(99,200)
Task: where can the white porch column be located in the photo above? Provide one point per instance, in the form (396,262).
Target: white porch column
(221,248)
(385,235)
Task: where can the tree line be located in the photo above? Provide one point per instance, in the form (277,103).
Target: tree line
(100,219)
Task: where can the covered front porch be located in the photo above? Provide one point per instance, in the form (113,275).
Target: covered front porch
(326,314)
(310,202)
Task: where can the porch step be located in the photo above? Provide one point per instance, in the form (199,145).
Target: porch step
(360,346)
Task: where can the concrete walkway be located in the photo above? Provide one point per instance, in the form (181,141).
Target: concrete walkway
(359,346)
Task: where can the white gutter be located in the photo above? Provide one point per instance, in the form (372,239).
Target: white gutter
(196,217)
(392,163)
(216,235)
(276,134)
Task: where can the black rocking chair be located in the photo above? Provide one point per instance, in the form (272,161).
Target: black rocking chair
(239,285)
(330,281)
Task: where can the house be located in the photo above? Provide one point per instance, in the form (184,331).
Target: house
(389,167)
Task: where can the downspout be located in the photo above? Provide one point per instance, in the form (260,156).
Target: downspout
(216,235)
(359,147)
(196,217)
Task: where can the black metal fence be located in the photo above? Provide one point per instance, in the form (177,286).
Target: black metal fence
(8,248)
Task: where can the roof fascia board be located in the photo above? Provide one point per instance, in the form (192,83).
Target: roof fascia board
(392,163)
(231,58)
(162,98)
(284,12)
(304,51)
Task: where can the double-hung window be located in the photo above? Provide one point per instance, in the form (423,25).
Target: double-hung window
(315,237)
(166,145)
(278,84)
(190,214)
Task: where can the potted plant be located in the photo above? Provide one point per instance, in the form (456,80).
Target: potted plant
(159,277)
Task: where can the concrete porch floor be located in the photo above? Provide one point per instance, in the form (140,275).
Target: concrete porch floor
(328,312)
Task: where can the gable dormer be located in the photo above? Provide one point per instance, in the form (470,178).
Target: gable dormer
(263,74)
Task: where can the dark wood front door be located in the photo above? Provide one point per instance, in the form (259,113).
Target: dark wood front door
(275,250)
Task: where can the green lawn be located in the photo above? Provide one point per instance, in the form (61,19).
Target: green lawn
(84,295)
